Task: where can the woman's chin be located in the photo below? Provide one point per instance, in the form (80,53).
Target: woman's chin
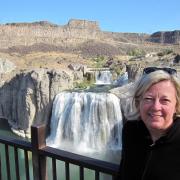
(156,125)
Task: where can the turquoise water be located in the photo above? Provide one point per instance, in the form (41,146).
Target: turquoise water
(6,132)
(12,163)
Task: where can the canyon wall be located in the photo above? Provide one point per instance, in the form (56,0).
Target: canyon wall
(168,37)
(75,32)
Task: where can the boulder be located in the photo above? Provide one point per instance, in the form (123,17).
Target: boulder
(125,94)
(134,71)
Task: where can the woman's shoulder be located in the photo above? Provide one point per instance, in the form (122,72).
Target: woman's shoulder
(174,132)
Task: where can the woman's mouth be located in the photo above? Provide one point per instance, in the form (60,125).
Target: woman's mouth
(154,115)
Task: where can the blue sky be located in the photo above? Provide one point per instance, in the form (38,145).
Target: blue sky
(139,16)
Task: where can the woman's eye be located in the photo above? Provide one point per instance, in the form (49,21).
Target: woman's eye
(148,99)
(165,100)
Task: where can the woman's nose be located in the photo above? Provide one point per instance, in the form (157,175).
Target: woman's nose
(156,104)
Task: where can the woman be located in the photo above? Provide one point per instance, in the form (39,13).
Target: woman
(151,143)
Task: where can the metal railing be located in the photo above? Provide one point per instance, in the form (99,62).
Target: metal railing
(40,152)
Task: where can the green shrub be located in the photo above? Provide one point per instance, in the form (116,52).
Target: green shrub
(136,52)
(84,84)
(99,61)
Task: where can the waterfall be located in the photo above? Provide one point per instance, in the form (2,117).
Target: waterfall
(103,77)
(88,121)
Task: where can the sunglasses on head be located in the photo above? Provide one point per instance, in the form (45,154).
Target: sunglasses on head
(170,71)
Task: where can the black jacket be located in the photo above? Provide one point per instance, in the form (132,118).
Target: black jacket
(143,160)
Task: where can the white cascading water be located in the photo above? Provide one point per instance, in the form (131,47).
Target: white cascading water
(103,77)
(89,121)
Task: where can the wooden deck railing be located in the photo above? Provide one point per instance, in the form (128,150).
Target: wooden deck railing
(40,153)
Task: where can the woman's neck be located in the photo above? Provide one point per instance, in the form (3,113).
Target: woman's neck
(156,134)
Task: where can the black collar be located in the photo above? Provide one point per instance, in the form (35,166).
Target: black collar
(173,133)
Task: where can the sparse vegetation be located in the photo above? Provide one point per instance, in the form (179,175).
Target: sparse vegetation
(136,52)
(84,85)
(118,70)
(165,52)
(99,61)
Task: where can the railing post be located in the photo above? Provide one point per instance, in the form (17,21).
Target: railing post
(38,140)
(0,168)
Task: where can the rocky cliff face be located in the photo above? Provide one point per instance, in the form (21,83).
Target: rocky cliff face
(169,37)
(27,34)
(75,32)
(27,98)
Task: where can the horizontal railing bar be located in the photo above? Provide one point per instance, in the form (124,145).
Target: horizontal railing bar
(16,143)
(87,162)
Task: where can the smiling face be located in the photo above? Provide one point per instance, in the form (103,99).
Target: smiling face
(158,105)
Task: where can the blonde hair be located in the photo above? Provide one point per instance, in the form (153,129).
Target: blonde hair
(145,83)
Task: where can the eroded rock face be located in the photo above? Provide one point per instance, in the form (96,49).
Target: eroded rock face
(27,34)
(75,32)
(170,37)
(134,71)
(125,94)
(27,98)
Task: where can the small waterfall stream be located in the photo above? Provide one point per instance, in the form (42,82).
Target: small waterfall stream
(103,77)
